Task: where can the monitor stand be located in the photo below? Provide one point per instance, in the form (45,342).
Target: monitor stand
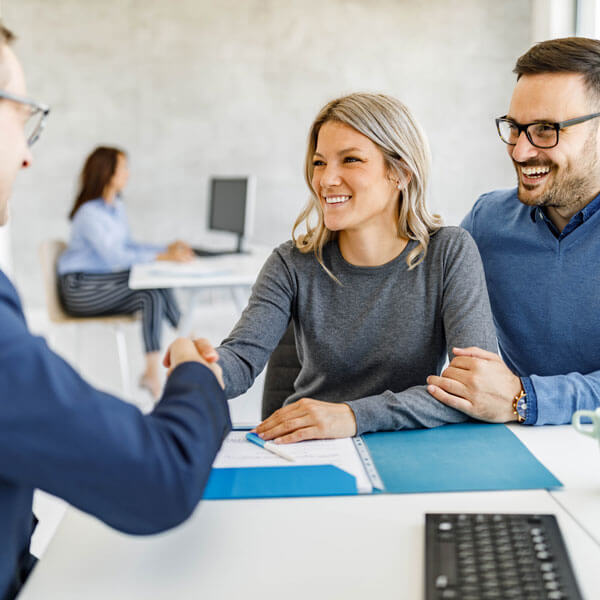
(239,249)
(204,253)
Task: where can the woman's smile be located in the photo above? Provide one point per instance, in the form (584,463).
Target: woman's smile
(336,199)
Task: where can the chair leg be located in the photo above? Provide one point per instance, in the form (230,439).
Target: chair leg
(123,361)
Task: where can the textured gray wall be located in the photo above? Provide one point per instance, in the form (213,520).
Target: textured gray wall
(192,88)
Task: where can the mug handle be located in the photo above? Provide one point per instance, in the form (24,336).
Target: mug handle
(576,422)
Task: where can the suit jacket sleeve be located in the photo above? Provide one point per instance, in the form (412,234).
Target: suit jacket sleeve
(138,473)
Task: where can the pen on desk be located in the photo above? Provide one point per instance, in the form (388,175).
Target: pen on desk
(270,446)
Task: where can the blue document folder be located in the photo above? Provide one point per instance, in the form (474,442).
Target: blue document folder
(466,457)
(279,482)
(451,458)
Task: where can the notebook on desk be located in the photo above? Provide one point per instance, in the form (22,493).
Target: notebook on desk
(464,457)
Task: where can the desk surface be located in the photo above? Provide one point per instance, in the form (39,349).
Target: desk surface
(228,270)
(344,547)
(575,460)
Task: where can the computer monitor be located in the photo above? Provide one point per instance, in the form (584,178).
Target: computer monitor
(231,206)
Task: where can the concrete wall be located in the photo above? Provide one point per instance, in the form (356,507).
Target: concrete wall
(192,88)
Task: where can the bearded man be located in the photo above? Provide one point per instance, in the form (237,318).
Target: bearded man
(540,245)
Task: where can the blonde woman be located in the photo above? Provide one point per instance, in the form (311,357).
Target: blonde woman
(378,291)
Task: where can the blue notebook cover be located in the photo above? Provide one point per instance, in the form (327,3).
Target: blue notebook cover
(452,458)
(456,458)
(279,482)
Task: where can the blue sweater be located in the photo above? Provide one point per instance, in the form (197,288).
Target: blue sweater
(101,241)
(544,290)
(138,473)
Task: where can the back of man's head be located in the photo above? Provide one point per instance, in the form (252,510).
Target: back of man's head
(565,55)
(6,37)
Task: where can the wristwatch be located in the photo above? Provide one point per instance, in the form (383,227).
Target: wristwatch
(519,405)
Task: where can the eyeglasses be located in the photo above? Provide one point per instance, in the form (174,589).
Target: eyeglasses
(539,134)
(36,119)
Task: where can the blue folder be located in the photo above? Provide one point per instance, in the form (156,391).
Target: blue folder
(279,482)
(451,458)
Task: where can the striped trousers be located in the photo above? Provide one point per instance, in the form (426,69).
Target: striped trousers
(99,294)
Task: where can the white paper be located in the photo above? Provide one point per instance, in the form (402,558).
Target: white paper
(237,451)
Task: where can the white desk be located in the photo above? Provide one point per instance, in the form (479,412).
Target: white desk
(307,548)
(575,460)
(237,272)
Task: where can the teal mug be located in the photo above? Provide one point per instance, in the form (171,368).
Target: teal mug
(594,416)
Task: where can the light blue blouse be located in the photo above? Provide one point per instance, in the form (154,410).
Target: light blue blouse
(101,241)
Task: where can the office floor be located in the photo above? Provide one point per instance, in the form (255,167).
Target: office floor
(214,314)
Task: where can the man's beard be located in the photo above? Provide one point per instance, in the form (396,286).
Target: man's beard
(568,188)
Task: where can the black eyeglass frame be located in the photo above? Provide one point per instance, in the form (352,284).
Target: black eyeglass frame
(35,108)
(557,127)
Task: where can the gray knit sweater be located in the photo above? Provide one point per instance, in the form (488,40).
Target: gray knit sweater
(373,340)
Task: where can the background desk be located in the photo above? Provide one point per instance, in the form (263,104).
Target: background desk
(309,548)
(236,272)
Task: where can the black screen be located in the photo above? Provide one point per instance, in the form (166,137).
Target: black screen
(228,205)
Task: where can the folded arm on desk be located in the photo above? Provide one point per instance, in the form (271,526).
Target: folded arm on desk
(467,318)
(413,408)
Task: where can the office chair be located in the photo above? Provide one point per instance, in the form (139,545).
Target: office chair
(49,251)
(282,370)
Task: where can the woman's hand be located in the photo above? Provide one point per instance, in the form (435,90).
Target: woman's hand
(308,419)
(200,350)
(178,251)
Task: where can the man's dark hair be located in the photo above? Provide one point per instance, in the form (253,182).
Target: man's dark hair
(6,37)
(565,55)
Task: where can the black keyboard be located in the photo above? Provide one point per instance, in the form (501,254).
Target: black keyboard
(207,253)
(496,556)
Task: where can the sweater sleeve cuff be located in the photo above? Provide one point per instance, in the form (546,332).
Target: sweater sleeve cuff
(367,414)
(532,409)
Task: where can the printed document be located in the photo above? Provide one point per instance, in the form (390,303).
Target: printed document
(237,451)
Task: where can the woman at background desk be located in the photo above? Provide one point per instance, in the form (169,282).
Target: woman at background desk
(378,291)
(94,270)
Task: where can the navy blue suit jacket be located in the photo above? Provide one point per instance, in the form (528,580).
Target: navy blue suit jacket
(138,473)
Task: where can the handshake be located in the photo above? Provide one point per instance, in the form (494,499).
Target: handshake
(199,350)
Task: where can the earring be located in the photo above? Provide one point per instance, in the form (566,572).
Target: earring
(400,186)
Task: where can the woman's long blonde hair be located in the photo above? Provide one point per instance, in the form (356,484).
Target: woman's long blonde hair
(389,124)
